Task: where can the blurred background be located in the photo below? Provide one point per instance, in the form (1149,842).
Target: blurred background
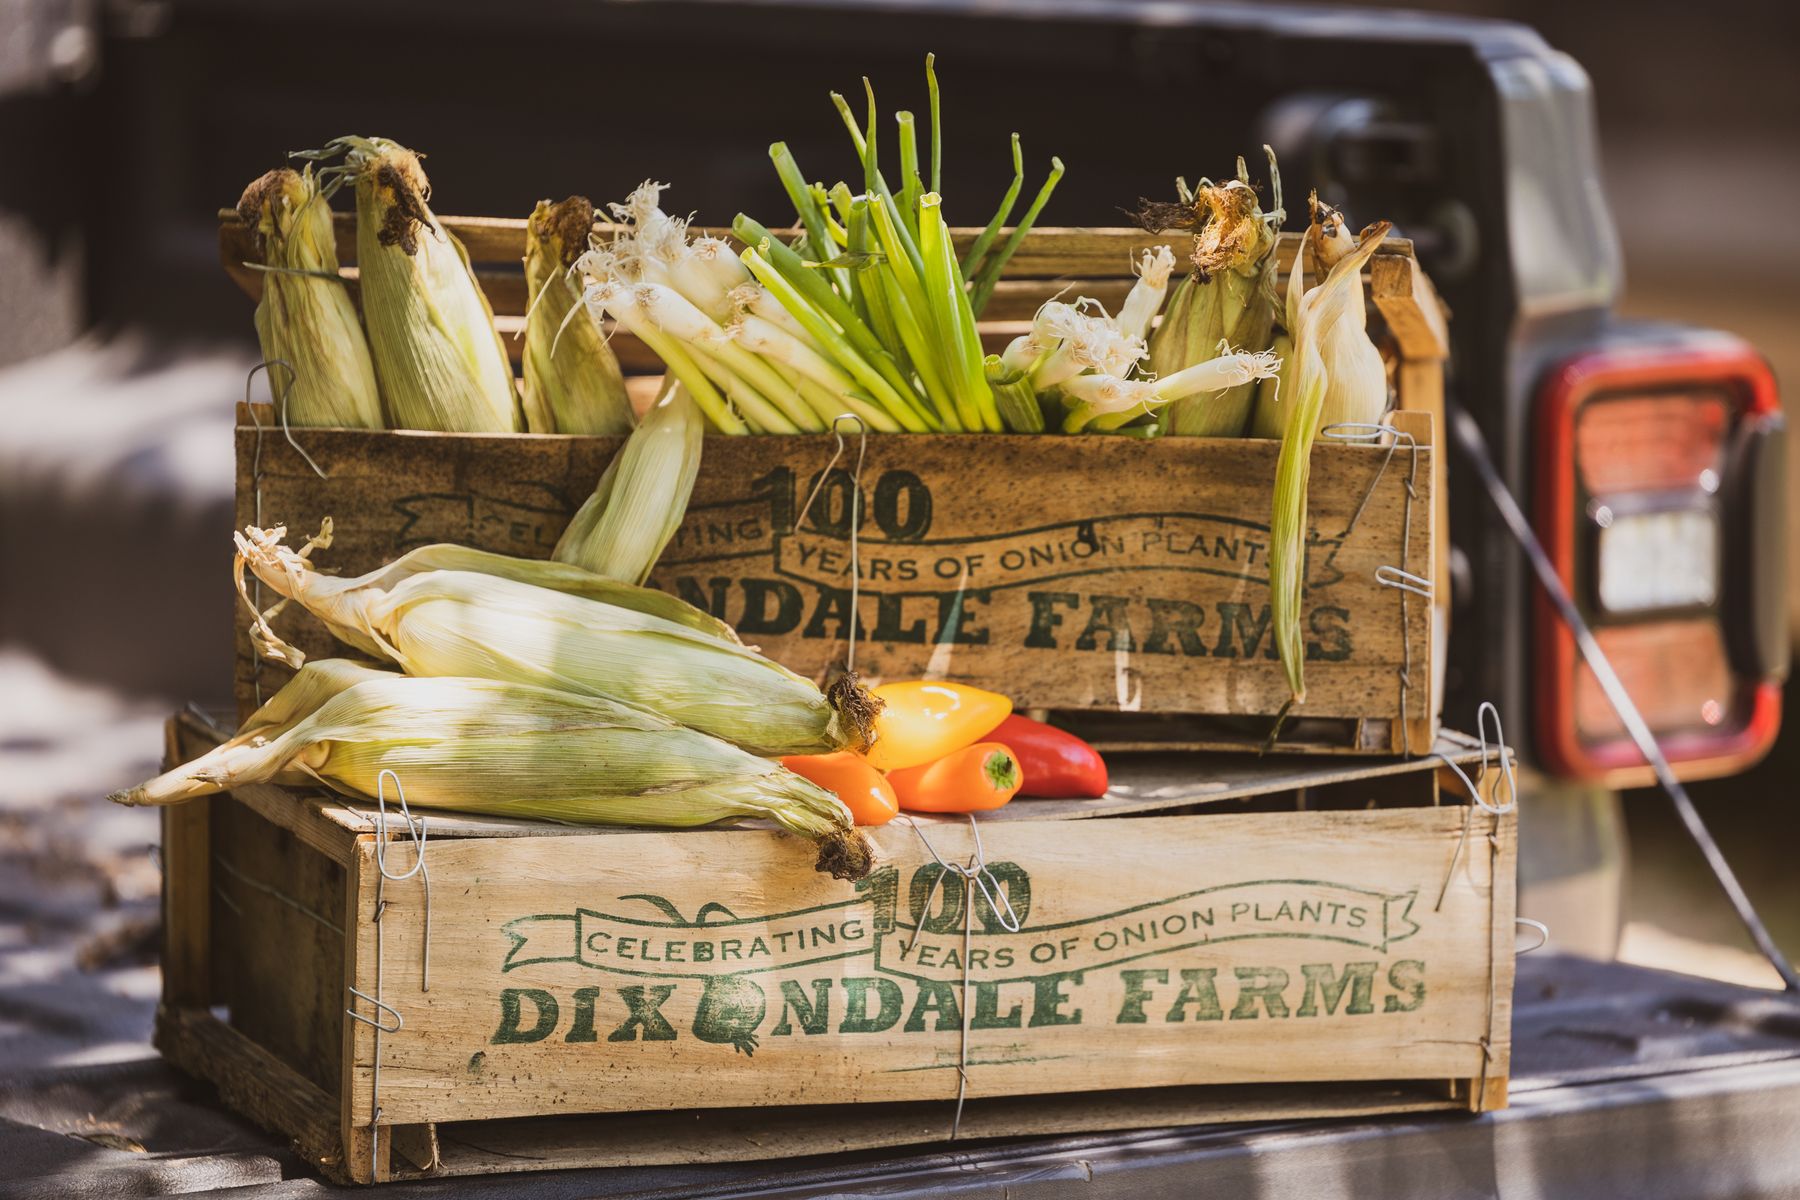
(125,126)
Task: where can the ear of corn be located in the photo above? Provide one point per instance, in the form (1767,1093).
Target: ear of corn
(1227,303)
(1311,316)
(314,684)
(440,363)
(558,577)
(513,750)
(572,382)
(638,505)
(305,317)
(456,623)
(1230,308)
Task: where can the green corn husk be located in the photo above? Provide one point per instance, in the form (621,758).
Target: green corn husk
(1356,390)
(440,362)
(621,530)
(1228,301)
(457,623)
(558,577)
(1312,316)
(305,317)
(312,685)
(1273,403)
(572,381)
(515,750)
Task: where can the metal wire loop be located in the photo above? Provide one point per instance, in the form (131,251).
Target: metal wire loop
(975,871)
(1508,780)
(390,1010)
(418,834)
(1406,581)
(854,517)
(281,405)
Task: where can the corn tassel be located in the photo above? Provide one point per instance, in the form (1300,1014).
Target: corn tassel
(456,623)
(572,382)
(305,317)
(638,505)
(514,750)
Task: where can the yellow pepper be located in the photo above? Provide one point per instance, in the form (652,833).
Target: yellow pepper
(921,721)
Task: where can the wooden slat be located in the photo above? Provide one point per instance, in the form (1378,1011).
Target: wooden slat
(513,494)
(253,1082)
(1048,252)
(1157,779)
(1012,299)
(187,887)
(517,899)
(1415,315)
(738,1135)
(314,825)
(369,1157)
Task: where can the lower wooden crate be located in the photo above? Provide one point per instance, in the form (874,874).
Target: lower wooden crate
(1221,938)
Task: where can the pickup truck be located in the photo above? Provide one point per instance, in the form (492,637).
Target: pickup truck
(1648,458)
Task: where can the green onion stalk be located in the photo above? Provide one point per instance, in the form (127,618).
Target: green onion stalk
(876,284)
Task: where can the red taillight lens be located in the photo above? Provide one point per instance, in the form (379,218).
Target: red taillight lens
(1639,466)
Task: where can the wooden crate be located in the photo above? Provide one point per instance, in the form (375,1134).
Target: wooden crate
(1108,575)
(1224,938)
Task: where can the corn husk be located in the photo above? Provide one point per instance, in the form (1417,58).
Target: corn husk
(440,363)
(1269,420)
(621,530)
(1355,377)
(572,382)
(458,623)
(305,317)
(515,750)
(1228,302)
(1312,317)
(559,577)
(312,685)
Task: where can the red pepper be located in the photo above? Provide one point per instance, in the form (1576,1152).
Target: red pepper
(1057,765)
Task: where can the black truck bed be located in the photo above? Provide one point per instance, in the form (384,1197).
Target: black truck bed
(1626,1082)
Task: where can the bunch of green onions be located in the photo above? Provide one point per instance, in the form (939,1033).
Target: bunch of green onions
(869,312)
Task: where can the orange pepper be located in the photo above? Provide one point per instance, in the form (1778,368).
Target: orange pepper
(922,720)
(863,789)
(974,779)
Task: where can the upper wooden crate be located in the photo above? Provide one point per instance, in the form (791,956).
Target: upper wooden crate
(1074,573)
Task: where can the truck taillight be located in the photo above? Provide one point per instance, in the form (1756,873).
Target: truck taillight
(1660,500)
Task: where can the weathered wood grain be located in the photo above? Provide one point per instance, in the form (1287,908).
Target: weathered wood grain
(447,1084)
(278,941)
(737,1135)
(1129,575)
(1048,252)
(513,925)
(253,1082)
(186,886)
